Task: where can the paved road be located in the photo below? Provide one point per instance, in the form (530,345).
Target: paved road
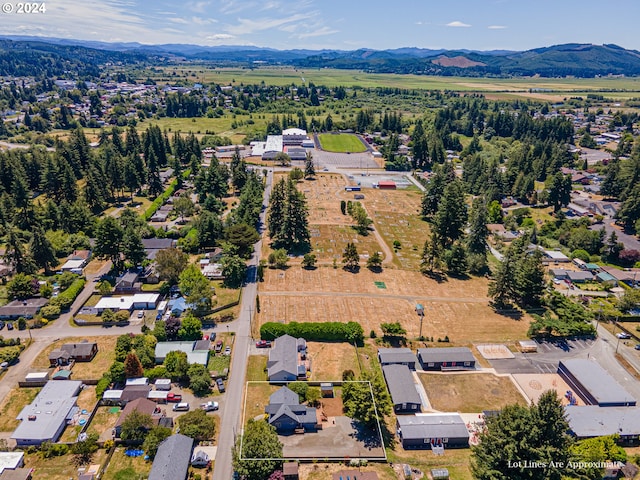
(231,412)
(630,242)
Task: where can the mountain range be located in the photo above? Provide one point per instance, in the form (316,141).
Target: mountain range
(580,60)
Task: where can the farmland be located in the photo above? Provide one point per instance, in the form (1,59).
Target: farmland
(341,142)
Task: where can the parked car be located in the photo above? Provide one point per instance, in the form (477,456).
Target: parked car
(141,314)
(174,397)
(637,347)
(1,324)
(218,346)
(220,384)
(4,366)
(181,407)
(227,350)
(623,336)
(263,344)
(210,406)
(9,326)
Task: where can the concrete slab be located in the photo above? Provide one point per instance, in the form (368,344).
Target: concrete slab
(494,351)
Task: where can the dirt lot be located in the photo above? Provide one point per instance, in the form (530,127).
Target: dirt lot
(84,370)
(470,392)
(329,360)
(323,198)
(57,468)
(534,385)
(13,404)
(314,471)
(329,241)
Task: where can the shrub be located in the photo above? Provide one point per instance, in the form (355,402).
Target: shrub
(581,254)
(326,331)
(50,312)
(66,298)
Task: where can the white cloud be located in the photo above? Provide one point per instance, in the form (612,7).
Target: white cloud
(219,36)
(496,27)
(179,20)
(457,24)
(318,33)
(198,7)
(246,26)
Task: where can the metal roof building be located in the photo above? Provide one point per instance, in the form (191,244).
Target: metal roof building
(419,431)
(397,356)
(172,460)
(593,421)
(404,396)
(447,358)
(594,384)
(45,418)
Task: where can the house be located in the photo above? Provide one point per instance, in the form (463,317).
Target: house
(141,405)
(134,392)
(153,245)
(128,282)
(286,359)
(450,358)
(78,352)
(214,255)
(499,231)
(555,256)
(432,430)
(197,352)
(11,460)
(630,276)
(139,301)
(404,396)
(354,475)
(287,415)
(76,261)
(22,308)
(159,216)
(46,417)
(579,277)
(172,460)
(397,356)
(145,301)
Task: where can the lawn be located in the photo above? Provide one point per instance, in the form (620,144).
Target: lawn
(256,368)
(329,360)
(341,142)
(104,420)
(224,295)
(218,362)
(13,404)
(258,394)
(93,300)
(3,295)
(323,472)
(58,468)
(329,241)
(455,460)
(84,370)
(122,467)
(470,392)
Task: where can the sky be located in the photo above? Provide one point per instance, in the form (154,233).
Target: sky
(336,24)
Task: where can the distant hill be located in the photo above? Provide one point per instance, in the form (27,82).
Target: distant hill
(580,60)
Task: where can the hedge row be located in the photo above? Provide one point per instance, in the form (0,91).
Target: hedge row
(160,199)
(66,298)
(9,342)
(319,332)
(10,354)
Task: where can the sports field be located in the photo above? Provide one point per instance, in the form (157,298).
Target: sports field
(341,143)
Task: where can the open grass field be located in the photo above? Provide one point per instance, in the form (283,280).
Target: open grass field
(122,467)
(470,392)
(456,460)
(329,241)
(13,404)
(224,295)
(58,468)
(323,198)
(455,308)
(335,77)
(257,398)
(84,370)
(329,360)
(256,367)
(341,142)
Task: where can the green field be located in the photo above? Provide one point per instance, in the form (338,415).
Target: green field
(341,142)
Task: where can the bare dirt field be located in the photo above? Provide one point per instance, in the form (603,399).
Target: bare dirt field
(329,241)
(329,360)
(323,199)
(534,385)
(470,392)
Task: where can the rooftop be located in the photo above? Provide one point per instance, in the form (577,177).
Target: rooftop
(432,425)
(447,354)
(173,457)
(597,381)
(594,421)
(396,355)
(401,385)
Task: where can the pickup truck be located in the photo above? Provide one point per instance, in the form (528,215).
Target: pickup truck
(174,397)
(209,406)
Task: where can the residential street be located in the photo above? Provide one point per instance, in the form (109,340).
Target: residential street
(230,413)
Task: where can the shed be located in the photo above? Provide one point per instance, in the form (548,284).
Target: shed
(61,375)
(290,471)
(556,256)
(136,381)
(112,396)
(36,377)
(326,389)
(607,278)
(528,346)
(158,396)
(439,474)
(163,384)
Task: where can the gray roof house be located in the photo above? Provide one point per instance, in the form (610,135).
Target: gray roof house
(432,430)
(449,358)
(397,356)
(286,414)
(404,396)
(593,421)
(172,460)
(284,364)
(46,417)
(593,383)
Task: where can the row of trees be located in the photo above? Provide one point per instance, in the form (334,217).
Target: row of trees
(288,221)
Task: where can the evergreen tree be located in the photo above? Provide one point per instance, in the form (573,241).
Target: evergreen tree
(530,279)
(629,212)
(435,190)
(132,366)
(374,262)
(258,442)
(41,251)
(277,206)
(456,260)
(612,184)
(451,216)
(431,255)
(294,234)
(350,257)
(503,289)
(560,191)
(478,232)
(309,169)
(132,247)
(109,235)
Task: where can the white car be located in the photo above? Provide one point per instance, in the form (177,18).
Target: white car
(210,406)
(227,350)
(623,336)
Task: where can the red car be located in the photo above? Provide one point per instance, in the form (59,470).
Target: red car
(263,344)
(174,397)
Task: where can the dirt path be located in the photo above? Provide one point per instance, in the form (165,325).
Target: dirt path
(374,295)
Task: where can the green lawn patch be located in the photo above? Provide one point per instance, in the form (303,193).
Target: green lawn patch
(341,142)
(380,284)
(219,362)
(256,367)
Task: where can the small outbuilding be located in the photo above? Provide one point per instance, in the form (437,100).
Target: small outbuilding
(326,390)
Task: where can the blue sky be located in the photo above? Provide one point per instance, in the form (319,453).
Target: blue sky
(344,24)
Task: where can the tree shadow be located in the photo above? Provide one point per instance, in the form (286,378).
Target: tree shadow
(367,435)
(375,269)
(355,269)
(437,276)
